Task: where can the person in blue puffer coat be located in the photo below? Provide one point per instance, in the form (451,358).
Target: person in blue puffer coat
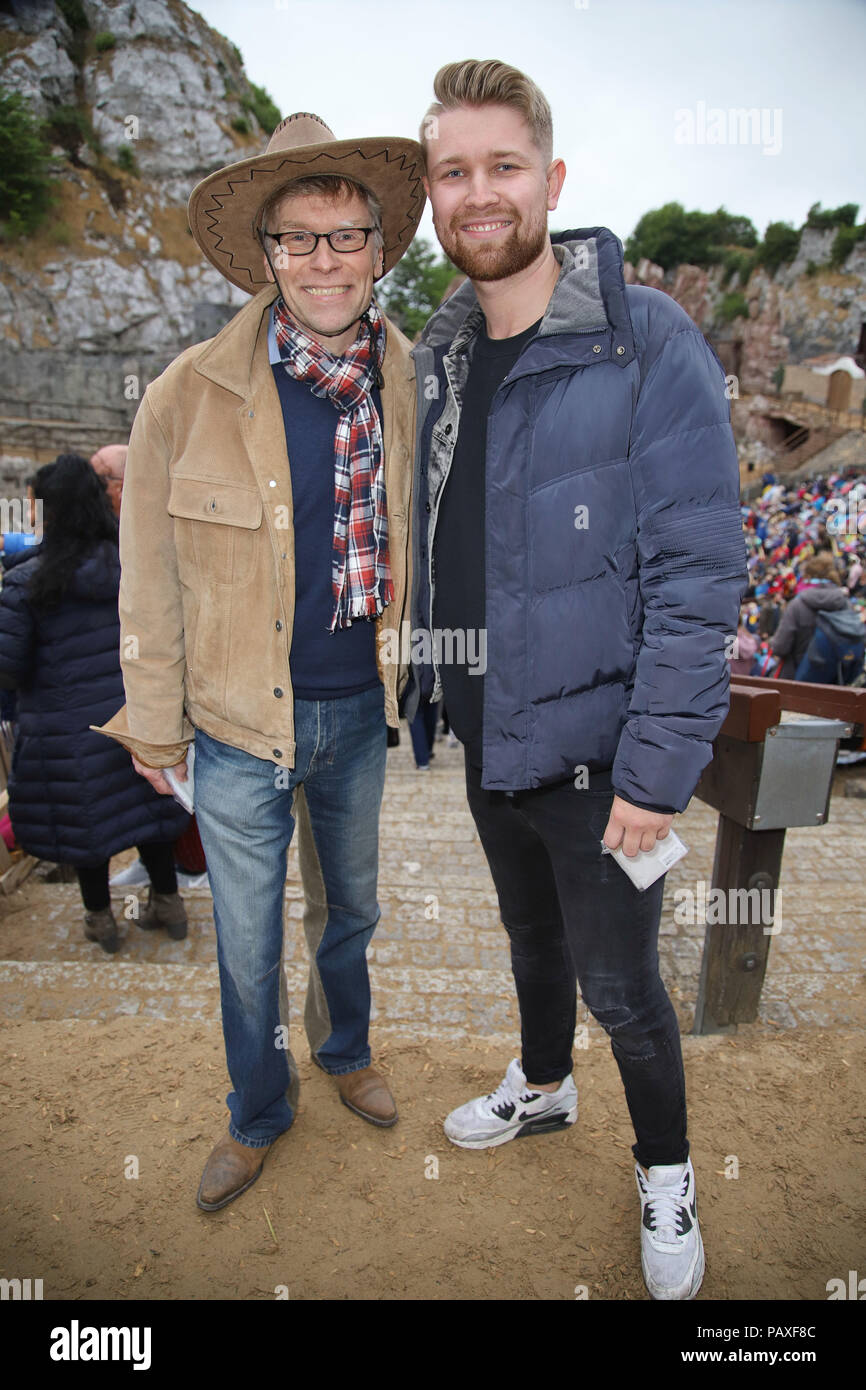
(75,798)
(579,563)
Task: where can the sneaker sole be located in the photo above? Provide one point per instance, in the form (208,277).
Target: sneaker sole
(543,1125)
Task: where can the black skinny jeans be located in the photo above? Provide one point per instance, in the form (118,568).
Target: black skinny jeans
(573,917)
(157,857)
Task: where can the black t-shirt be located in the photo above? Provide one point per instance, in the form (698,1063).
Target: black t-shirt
(458,557)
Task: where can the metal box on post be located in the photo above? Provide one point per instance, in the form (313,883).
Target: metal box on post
(782,781)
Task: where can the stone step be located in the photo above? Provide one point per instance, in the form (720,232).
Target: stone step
(408,1001)
(48,926)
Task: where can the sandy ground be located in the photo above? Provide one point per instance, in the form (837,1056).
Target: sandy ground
(346,1211)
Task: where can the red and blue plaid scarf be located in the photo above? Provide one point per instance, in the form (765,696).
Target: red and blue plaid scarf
(360,565)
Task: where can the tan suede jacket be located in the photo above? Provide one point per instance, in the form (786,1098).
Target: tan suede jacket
(207,549)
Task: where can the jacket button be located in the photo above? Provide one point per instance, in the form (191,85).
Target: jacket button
(277,752)
(427,507)
(278,692)
(448,429)
(596,347)
(620,351)
(279,626)
(251,414)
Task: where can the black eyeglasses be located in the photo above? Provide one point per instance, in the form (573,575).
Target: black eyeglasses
(344,240)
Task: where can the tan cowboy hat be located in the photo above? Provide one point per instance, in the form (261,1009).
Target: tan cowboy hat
(224,207)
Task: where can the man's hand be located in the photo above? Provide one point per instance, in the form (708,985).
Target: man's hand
(154,775)
(634,828)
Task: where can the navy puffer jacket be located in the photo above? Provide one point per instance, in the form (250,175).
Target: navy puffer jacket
(614,551)
(74,796)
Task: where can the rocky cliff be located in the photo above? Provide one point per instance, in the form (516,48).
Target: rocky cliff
(143,99)
(807,308)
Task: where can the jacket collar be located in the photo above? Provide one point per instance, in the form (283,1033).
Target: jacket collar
(229,358)
(589,295)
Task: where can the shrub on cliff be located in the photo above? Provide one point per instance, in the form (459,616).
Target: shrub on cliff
(844,242)
(266,112)
(780,245)
(670,236)
(26,182)
(844,216)
(733,306)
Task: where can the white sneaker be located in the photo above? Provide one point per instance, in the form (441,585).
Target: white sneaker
(133,876)
(511,1111)
(671,1249)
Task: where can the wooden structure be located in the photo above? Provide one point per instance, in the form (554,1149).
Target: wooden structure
(766,775)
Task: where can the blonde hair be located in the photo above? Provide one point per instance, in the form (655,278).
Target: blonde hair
(474,83)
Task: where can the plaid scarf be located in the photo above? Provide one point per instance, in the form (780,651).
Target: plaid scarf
(360,565)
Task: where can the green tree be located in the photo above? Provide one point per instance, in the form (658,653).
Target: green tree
(780,245)
(670,236)
(414,288)
(844,216)
(844,242)
(26,183)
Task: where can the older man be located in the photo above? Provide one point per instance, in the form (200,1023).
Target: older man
(264,552)
(110,463)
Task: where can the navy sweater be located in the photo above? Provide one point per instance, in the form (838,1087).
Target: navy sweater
(325,665)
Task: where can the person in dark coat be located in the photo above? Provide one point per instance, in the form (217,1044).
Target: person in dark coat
(822,593)
(75,798)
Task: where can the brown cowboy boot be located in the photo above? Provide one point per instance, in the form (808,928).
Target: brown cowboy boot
(230,1170)
(366,1093)
(164,910)
(102,927)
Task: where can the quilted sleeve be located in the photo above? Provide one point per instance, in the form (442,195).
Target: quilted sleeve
(17,633)
(692,570)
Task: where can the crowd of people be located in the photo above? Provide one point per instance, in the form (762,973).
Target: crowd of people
(803,615)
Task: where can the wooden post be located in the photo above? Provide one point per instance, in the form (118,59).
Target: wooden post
(735,953)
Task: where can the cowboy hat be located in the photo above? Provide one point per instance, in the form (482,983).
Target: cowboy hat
(223,208)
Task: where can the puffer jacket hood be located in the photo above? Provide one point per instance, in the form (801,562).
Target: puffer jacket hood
(824,598)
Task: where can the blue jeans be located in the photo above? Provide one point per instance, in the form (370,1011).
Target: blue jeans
(245,809)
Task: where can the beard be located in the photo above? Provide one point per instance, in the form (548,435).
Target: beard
(522,246)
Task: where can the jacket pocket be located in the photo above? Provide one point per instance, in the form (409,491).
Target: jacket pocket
(217,534)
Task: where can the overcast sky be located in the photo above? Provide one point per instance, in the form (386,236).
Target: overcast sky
(636,88)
